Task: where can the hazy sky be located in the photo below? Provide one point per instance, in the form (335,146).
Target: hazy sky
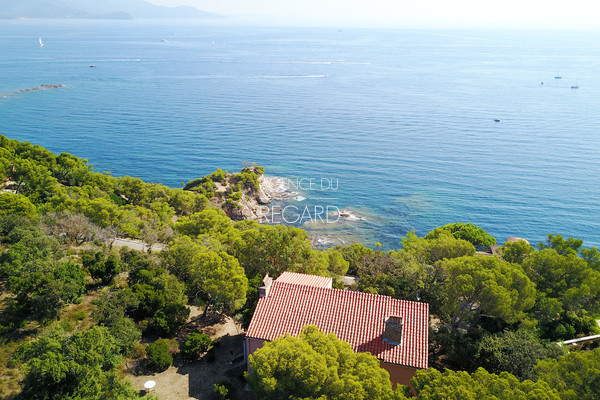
(445,12)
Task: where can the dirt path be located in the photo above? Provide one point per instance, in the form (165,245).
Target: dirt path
(136,244)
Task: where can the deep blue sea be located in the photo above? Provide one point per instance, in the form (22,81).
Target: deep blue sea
(403,120)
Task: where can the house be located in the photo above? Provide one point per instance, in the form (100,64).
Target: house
(395,331)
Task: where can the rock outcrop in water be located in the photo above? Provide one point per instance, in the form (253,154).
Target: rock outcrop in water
(34,89)
(41,87)
(242,195)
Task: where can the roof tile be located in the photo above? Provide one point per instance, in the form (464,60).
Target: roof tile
(304,279)
(355,317)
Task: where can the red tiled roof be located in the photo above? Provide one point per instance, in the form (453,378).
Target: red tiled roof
(516,239)
(354,317)
(304,279)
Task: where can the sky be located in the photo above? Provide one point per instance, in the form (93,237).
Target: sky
(518,13)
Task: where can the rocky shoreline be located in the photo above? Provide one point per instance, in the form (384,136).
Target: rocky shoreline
(253,205)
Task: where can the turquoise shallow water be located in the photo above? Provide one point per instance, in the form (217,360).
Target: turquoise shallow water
(402,119)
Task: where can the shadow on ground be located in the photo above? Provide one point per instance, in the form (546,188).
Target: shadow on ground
(195,380)
(226,363)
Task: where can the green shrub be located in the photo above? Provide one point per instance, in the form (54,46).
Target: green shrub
(465,231)
(218,176)
(195,345)
(158,354)
(223,390)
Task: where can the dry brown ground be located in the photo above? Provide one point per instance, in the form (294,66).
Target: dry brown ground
(195,380)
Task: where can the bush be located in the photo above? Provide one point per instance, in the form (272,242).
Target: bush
(218,176)
(223,390)
(514,352)
(466,231)
(195,345)
(158,354)
(125,333)
(138,352)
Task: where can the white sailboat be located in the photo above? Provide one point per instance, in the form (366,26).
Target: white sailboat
(576,85)
(41,43)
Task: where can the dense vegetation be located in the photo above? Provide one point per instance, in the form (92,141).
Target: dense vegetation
(316,366)
(74,306)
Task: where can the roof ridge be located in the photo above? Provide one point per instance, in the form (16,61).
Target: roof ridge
(353,292)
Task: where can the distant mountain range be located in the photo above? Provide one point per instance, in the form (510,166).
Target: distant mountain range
(95,9)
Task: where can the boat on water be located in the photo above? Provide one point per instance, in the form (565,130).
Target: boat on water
(496,120)
(558,77)
(576,85)
(41,43)
(93,66)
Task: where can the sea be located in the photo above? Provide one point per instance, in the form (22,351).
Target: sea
(401,129)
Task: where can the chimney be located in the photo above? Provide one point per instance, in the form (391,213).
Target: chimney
(393,330)
(263,289)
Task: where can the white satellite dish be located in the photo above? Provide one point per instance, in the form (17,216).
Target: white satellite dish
(149,385)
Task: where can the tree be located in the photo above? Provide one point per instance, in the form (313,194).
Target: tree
(562,246)
(355,255)
(134,190)
(592,257)
(389,274)
(70,170)
(28,249)
(216,275)
(576,375)
(112,268)
(161,302)
(440,246)
(187,203)
(559,276)
(78,366)
(42,289)
(568,292)
(514,352)
(110,311)
(218,176)
(265,249)
(337,264)
(33,180)
(17,204)
(126,334)
(204,186)
(100,267)
(223,280)
(466,231)
(210,221)
(135,262)
(431,384)
(195,345)
(75,228)
(515,252)
(483,284)
(101,211)
(158,354)
(316,366)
